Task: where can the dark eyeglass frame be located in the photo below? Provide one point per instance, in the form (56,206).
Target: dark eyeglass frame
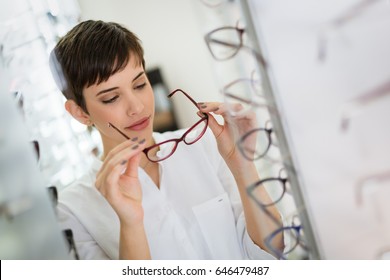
(240,31)
(296,230)
(209,40)
(240,142)
(251,188)
(204,118)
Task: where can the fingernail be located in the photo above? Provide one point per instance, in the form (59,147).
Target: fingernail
(200,114)
(134,139)
(123,162)
(203,106)
(135,147)
(200,103)
(142,141)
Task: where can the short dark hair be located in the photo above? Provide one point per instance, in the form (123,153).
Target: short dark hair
(90,53)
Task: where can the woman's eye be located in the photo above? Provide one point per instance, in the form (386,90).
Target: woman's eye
(110,100)
(141,86)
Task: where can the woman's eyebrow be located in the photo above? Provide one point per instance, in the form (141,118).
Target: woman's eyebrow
(139,75)
(113,88)
(106,90)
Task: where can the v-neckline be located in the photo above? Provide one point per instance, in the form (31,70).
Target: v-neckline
(160,173)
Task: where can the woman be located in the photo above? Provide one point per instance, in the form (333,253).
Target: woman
(192,205)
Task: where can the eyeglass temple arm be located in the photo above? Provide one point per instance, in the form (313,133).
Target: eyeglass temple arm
(224,43)
(113,126)
(189,97)
(353,12)
(354,106)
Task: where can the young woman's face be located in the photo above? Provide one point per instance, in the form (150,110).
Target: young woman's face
(126,100)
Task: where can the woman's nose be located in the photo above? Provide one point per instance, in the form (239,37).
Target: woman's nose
(134,105)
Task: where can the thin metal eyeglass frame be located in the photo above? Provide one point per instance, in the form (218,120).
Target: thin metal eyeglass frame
(252,103)
(296,230)
(240,31)
(251,188)
(176,140)
(240,142)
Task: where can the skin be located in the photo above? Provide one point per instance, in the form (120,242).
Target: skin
(124,99)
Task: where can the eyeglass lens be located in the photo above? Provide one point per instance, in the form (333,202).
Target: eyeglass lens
(274,186)
(241,95)
(165,149)
(255,144)
(291,237)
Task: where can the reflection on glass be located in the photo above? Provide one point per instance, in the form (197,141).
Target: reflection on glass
(355,11)
(369,184)
(356,106)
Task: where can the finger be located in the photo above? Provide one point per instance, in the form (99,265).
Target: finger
(132,165)
(208,107)
(122,146)
(110,188)
(122,156)
(215,127)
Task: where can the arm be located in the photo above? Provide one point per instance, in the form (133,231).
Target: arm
(259,224)
(118,182)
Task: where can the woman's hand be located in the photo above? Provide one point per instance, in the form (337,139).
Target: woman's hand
(117,181)
(230,131)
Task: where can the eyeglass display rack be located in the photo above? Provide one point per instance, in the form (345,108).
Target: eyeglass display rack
(328,76)
(28,226)
(237,60)
(279,127)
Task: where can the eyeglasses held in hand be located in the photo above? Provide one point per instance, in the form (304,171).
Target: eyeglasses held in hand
(225,42)
(163,150)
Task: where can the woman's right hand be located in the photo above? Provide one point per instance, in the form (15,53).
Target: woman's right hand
(117,180)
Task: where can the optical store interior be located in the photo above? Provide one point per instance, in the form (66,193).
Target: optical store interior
(300,90)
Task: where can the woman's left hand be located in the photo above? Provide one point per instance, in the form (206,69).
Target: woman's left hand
(230,131)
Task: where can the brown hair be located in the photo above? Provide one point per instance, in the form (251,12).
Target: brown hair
(90,53)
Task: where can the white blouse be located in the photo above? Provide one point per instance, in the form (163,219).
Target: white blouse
(195,214)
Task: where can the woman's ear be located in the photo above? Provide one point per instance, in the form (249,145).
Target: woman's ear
(77,112)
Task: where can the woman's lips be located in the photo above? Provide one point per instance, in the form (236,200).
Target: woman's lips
(143,123)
